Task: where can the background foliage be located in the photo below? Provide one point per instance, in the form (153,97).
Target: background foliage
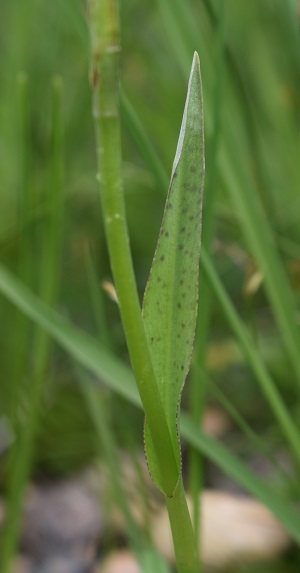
(250,69)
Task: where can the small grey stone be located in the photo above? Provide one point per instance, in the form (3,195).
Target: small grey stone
(21,564)
(63,564)
(61,518)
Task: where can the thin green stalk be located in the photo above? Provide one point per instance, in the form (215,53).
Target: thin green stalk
(105,80)
(174,18)
(52,248)
(268,387)
(197,390)
(143,143)
(24,211)
(17,463)
(97,299)
(182,531)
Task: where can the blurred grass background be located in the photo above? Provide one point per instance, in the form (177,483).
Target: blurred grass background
(256,203)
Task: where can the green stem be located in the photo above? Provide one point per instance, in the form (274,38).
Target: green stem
(105,83)
(182,531)
(105,61)
(21,450)
(25,202)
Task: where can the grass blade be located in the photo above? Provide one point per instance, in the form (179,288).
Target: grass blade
(198,390)
(97,298)
(18,465)
(143,143)
(267,385)
(24,212)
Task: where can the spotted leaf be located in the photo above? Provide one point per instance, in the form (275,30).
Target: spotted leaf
(171,295)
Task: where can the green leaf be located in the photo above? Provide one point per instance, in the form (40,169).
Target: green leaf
(118,377)
(171,295)
(86,350)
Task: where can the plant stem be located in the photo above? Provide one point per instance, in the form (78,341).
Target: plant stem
(105,64)
(25,204)
(182,531)
(105,84)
